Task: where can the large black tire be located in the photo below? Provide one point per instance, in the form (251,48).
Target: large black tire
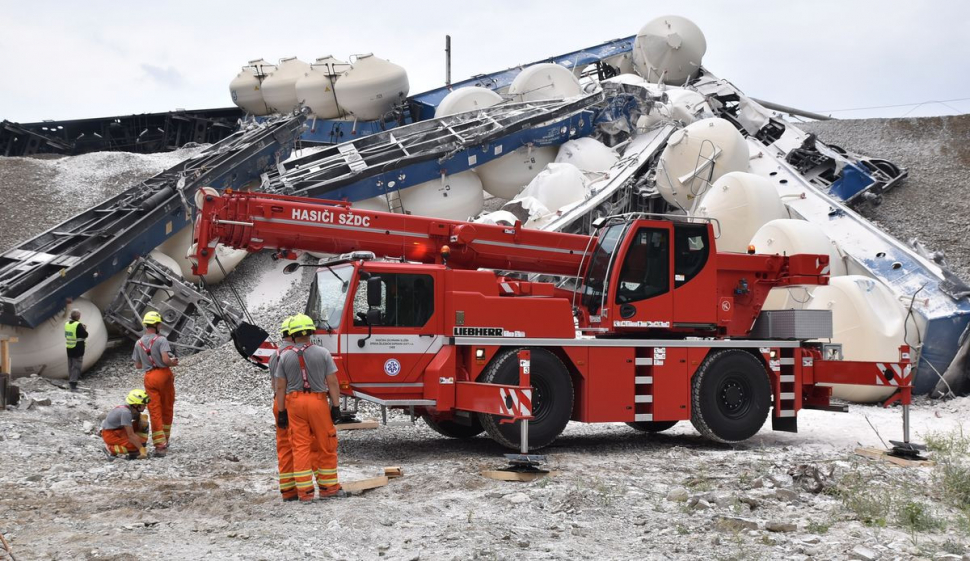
(454,429)
(652,426)
(731,396)
(552,398)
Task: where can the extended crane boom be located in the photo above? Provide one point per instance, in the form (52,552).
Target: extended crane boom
(261,221)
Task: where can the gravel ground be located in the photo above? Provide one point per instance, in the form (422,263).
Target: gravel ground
(40,193)
(933,204)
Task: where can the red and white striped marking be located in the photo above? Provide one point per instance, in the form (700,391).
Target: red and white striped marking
(901,373)
(521,402)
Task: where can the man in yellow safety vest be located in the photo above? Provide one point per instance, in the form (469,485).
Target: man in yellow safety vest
(76,334)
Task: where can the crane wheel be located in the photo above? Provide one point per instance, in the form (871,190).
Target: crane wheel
(652,426)
(731,396)
(454,429)
(552,398)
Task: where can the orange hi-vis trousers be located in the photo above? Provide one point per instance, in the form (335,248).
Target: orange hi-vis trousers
(310,423)
(117,443)
(284,453)
(160,386)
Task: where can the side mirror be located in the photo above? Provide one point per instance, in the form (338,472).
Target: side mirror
(373,317)
(374,292)
(291,268)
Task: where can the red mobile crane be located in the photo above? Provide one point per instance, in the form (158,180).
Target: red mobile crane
(655,328)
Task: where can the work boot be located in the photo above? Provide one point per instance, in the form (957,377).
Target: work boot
(161,451)
(290,498)
(74,387)
(331,491)
(107,454)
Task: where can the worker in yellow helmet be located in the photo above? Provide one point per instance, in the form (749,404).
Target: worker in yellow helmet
(153,354)
(284,451)
(305,377)
(124,431)
(76,334)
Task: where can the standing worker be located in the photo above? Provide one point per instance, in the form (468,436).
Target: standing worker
(284,451)
(123,431)
(305,377)
(76,333)
(153,353)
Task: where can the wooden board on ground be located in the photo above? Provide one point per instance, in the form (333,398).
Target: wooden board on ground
(878,454)
(365,424)
(502,475)
(393,472)
(364,484)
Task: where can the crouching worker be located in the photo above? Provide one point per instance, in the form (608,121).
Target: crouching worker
(305,377)
(124,431)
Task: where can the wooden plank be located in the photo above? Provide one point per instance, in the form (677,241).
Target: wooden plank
(877,454)
(5,355)
(502,475)
(364,484)
(365,424)
(393,472)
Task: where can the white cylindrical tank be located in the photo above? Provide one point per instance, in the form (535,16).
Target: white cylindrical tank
(587,154)
(279,88)
(791,237)
(453,197)
(741,203)
(497,217)
(378,203)
(685,169)
(467,99)
(246,87)
(43,350)
(372,87)
(547,80)
(177,246)
(687,105)
(868,320)
(103,294)
(315,88)
(623,63)
(556,186)
(669,47)
(505,177)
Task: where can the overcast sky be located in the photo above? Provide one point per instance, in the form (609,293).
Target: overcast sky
(68,60)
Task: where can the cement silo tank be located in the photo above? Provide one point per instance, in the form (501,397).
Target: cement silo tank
(505,177)
(791,237)
(868,321)
(177,246)
(372,87)
(279,88)
(498,218)
(741,203)
(556,186)
(543,81)
(685,170)
(467,99)
(43,351)
(623,63)
(315,88)
(587,154)
(246,87)
(103,294)
(378,203)
(688,106)
(669,48)
(453,197)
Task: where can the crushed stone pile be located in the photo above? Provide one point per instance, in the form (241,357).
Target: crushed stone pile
(933,203)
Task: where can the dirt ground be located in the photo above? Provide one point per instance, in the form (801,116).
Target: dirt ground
(619,494)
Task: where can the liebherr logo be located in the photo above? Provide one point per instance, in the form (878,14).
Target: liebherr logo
(485,332)
(330,217)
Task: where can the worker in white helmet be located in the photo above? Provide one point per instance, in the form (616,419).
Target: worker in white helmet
(76,334)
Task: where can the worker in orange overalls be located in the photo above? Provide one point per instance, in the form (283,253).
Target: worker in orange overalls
(124,431)
(284,451)
(153,353)
(305,377)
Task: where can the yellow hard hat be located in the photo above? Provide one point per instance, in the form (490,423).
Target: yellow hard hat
(300,323)
(151,318)
(137,397)
(285,328)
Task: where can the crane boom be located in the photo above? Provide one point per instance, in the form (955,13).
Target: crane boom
(257,221)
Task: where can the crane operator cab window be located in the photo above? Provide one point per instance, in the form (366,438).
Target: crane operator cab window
(691,248)
(646,267)
(406,300)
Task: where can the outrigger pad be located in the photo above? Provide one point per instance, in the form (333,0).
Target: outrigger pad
(525,462)
(247,338)
(907,450)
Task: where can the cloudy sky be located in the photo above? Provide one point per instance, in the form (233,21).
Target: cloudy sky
(66,60)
